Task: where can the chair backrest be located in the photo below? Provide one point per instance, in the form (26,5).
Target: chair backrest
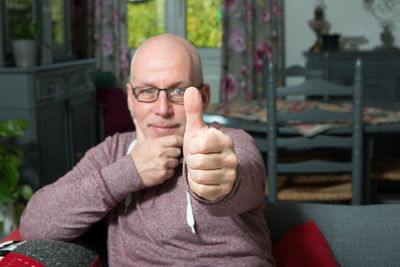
(278,121)
(299,71)
(294,74)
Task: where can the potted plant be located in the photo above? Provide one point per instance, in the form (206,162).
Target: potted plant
(25,44)
(13,195)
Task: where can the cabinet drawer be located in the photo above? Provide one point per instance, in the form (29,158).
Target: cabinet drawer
(81,80)
(49,87)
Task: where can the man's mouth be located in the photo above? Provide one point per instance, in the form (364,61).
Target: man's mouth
(164,129)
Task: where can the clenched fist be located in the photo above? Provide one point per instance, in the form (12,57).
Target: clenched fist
(156,159)
(209,153)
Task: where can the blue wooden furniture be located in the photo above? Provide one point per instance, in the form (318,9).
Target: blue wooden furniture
(300,71)
(323,142)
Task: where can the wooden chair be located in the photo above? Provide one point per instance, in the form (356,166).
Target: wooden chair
(295,72)
(300,71)
(317,180)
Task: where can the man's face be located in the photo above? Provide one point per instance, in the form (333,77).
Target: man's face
(162,117)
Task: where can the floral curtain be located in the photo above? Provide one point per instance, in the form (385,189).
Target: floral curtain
(251,28)
(108,37)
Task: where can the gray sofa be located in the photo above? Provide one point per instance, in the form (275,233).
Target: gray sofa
(359,236)
(364,236)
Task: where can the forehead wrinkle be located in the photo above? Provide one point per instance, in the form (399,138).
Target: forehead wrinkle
(175,83)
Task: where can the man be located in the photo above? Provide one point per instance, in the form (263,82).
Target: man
(204,207)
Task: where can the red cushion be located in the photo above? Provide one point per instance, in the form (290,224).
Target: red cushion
(19,260)
(14,236)
(305,246)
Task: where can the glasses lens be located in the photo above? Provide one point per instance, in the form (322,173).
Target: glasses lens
(146,94)
(150,94)
(176,94)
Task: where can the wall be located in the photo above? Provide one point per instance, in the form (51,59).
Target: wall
(347,17)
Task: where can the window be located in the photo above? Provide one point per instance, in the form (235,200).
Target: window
(203,20)
(145,19)
(199,21)
(57,22)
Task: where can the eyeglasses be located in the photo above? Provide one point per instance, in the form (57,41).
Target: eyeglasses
(149,94)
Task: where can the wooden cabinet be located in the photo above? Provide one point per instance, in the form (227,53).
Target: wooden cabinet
(52,141)
(381,71)
(59,101)
(82,125)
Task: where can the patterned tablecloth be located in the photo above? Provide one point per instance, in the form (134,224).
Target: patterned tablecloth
(257,111)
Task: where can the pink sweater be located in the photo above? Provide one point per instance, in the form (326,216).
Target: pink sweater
(152,228)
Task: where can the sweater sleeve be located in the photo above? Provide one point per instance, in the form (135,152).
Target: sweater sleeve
(67,208)
(249,187)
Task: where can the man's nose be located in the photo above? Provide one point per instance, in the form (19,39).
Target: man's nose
(163,105)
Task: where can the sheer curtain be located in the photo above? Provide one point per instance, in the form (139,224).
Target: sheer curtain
(108,37)
(250,29)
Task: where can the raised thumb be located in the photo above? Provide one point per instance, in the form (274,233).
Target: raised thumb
(194,110)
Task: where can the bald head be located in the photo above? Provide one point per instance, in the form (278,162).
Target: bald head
(167,50)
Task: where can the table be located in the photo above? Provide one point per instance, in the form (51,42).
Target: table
(252,116)
(378,123)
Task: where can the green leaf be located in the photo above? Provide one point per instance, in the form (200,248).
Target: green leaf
(3,151)
(13,159)
(6,196)
(19,208)
(27,30)
(13,127)
(26,191)
(15,194)
(16,150)
(1,226)
(11,175)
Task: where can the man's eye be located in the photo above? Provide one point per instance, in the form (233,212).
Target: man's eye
(145,91)
(177,91)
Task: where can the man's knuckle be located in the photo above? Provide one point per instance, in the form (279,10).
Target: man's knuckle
(163,164)
(231,160)
(230,176)
(229,141)
(226,189)
(202,191)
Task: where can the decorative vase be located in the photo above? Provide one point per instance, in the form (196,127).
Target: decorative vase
(25,52)
(7,218)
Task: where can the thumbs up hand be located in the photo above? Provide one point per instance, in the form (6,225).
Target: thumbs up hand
(209,153)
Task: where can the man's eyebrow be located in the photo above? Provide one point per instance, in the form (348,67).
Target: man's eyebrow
(176,83)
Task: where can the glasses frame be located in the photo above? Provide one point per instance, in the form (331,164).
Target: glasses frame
(167,90)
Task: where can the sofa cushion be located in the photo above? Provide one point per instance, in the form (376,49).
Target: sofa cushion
(305,245)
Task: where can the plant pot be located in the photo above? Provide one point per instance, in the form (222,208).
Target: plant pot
(7,218)
(26,52)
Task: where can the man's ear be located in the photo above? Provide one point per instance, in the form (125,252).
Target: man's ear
(130,96)
(205,95)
